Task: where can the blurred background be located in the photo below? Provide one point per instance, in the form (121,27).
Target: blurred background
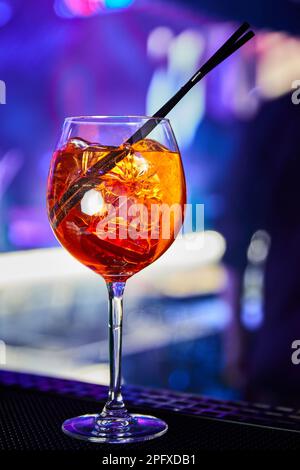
(194,318)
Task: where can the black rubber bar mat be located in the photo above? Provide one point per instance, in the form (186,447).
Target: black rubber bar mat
(32,409)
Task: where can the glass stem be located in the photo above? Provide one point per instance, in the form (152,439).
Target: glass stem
(115,404)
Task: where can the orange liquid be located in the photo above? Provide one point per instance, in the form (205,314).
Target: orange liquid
(98,229)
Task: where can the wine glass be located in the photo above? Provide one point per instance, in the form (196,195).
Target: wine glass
(116,203)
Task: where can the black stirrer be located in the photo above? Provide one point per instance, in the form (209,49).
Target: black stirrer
(77,189)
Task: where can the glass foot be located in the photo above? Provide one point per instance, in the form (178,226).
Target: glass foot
(96,428)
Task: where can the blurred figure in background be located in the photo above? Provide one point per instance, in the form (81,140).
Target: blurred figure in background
(264,194)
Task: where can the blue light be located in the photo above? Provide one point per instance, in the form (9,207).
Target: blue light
(252,314)
(5,13)
(62,10)
(118,3)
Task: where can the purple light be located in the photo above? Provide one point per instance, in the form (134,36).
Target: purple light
(28,228)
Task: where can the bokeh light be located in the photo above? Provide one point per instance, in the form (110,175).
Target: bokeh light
(159,41)
(278,63)
(117,3)
(87,8)
(77,8)
(185,51)
(5,12)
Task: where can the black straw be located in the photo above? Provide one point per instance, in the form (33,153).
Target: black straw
(77,189)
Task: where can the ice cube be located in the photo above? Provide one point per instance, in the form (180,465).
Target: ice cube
(92,203)
(141,164)
(132,167)
(80,144)
(134,175)
(149,145)
(93,153)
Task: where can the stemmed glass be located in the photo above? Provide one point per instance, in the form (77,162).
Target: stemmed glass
(116,205)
